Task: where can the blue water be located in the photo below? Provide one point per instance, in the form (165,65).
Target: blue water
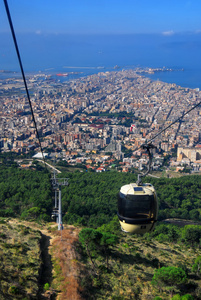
(87,53)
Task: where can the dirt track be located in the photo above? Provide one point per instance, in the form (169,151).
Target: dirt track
(61,267)
(65,254)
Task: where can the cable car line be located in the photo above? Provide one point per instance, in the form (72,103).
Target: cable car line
(22,72)
(137,202)
(178,119)
(164,129)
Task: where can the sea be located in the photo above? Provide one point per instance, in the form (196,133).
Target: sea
(84,55)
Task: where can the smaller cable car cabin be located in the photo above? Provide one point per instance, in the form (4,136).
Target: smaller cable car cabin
(137,208)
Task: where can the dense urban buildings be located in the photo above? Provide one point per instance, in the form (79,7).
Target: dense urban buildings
(101,118)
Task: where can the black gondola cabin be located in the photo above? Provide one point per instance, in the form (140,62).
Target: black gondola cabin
(137,208)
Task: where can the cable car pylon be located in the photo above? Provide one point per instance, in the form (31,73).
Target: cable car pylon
(137,203)
(57,183)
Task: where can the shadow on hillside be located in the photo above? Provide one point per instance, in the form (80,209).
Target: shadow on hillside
(46,269)
(135,259)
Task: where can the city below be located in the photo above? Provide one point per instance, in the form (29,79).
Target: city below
(100,121)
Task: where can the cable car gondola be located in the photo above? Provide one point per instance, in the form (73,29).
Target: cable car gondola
(137,204)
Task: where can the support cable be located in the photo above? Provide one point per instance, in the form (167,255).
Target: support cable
(178,119)
(164,129)
(149,146)
(28,96)
(22,71)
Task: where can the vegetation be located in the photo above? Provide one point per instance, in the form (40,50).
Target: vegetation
(111,264)
(20,261)
(95,194)
(197,266)
(28,194)
(95,241)
(138,268)
(124,266)
(169,277)
(25,193)
(189,235)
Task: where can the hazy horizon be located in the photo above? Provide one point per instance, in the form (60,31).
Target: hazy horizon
(90,34)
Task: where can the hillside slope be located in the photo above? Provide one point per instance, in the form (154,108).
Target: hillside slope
(21,264)
(37,263)
(41,264)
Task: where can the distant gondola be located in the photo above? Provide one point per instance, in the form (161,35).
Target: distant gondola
(138,205)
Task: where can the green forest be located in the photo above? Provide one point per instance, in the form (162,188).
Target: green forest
(117,265)
(92,194)
(25,194)
(28,194)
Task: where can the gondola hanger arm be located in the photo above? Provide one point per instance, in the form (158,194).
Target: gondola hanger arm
(146,147)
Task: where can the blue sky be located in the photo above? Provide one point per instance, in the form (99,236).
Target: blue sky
(103,17)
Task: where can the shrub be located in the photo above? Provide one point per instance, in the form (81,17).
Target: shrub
(187,297)
(169,277)
(46,286)
(197,266)
(14,290)
(176,297)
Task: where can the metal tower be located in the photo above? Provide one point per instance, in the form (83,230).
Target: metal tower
(57,183)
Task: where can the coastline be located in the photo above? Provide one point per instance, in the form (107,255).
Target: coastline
(186,78)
